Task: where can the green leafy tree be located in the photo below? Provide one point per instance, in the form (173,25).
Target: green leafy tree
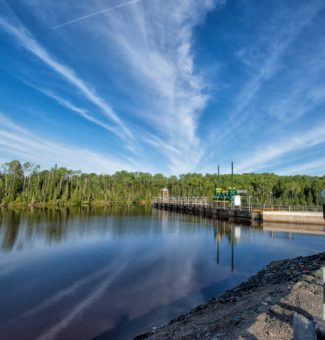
(27,184)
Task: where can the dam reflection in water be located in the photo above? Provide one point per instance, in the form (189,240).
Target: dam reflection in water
(115,272)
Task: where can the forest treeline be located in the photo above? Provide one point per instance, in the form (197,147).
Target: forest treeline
(28,184)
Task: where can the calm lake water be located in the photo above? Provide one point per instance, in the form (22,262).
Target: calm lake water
(110,273)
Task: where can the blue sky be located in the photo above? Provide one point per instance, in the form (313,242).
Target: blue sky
(169,86)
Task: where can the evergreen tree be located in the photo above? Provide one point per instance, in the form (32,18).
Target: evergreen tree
(26,184)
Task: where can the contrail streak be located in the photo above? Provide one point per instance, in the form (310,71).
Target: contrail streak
(81,306)
(66,292)
(61,295)
(106,10)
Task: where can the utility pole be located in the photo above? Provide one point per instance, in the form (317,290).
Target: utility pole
(232,174)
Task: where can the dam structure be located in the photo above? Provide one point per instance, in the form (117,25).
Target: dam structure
(245,213)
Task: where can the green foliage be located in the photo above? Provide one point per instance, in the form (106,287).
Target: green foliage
(26,184)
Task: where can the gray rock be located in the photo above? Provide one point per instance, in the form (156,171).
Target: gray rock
(237,320)
(261,309)
(268,299)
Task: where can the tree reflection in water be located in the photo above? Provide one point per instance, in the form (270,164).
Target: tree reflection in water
(66,255)
(19,226)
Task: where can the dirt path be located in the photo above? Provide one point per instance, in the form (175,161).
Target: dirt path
(260,308)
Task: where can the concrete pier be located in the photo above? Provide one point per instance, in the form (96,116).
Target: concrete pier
(303,217)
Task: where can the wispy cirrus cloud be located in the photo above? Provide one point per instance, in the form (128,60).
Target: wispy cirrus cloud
(278,46)
(157,47)
(24,145)
(282,87)
(80,111)
(151,59)
(26,40)
(315,167)
(267,153)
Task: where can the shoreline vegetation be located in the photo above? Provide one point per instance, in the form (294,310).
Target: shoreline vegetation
(27,185)
(260,308)
(70,204)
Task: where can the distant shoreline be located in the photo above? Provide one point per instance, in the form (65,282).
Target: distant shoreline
(26,184)
(67,204)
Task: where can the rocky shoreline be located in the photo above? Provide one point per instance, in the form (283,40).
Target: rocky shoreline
(260,308)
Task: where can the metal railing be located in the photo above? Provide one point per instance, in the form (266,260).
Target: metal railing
(206,201)
(182,200)
(265,207)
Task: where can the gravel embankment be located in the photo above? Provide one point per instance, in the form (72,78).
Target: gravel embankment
(260,308)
